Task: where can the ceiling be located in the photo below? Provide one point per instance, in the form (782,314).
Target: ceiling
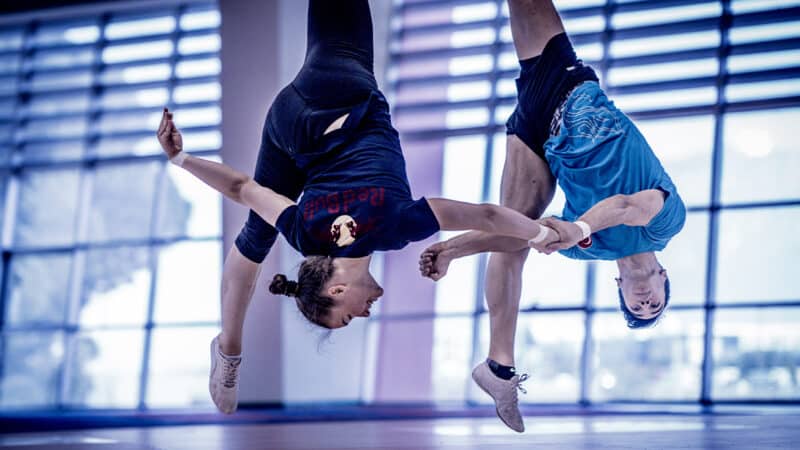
(17,6)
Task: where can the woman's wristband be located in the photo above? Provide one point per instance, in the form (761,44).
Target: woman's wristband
(179,159)
(543,231)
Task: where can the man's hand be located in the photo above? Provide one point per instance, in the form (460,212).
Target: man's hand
(168,135)
(434,261)
(569,235)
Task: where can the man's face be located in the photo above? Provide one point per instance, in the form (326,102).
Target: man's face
(644,296)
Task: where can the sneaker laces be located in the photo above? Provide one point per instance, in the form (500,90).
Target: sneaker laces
(519,382)
(230,369)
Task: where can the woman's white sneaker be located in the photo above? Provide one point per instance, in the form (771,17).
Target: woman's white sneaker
(223,380)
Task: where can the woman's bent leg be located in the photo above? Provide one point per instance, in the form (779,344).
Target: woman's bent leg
(344,25)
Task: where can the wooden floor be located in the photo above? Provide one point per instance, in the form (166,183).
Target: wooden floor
(772,431)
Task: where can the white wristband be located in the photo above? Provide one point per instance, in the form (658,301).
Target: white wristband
(543,231)
(586,230)
(179,159)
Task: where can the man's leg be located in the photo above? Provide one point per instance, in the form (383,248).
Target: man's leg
(528,187)
(533,23)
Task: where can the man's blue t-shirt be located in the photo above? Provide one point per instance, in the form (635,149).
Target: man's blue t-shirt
(599,153)
(356,198)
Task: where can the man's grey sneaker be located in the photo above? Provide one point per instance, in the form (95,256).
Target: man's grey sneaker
(504,394)
(223,381)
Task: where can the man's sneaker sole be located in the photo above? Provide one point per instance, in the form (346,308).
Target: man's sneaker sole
(496,409)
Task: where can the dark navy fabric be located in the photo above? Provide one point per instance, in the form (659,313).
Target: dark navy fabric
(543,84)
(357,170)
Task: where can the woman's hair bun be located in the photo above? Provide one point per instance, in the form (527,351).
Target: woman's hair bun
(282,286)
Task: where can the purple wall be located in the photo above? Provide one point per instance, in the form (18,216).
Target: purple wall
(250,80)
(404,359)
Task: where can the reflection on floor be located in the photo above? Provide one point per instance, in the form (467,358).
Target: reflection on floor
(566,432)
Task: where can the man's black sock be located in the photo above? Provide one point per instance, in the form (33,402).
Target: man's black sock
(501,371)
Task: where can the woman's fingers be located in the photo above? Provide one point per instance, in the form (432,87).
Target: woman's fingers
(162,127)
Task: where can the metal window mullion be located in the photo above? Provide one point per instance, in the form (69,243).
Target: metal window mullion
(587,348)
(154,252)
(110,326)
(111,244)
(683,111)
(480,285)
(154,219)
(72,326)
(27,68)
(3,330)
(22,95)
(12,187)
(106,160)
(80,11)
(124,110)
(76,284)
(11,201)
(716,184)
(748,205)
(82,219)
(10,213)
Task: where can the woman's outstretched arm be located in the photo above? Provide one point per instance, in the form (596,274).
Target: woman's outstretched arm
(453,215)
(227,181)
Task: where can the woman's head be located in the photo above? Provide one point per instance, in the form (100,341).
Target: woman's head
(330,292)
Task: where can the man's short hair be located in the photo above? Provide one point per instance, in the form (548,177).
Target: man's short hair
(635,322)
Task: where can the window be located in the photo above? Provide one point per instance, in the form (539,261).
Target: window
(91,210)
(717,100)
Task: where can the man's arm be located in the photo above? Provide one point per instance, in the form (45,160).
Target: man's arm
(435,260)
(495,229)
(636,210)
(474,242)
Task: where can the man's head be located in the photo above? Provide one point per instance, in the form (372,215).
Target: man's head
(643,297)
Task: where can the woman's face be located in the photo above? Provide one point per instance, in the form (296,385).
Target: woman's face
(353,295)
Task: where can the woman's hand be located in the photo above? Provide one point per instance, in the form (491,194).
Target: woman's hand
(168,135)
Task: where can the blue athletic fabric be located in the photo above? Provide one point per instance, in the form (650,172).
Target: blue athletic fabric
(599,153)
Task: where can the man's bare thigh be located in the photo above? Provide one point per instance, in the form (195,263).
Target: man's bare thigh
(527,184)
(533,23)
